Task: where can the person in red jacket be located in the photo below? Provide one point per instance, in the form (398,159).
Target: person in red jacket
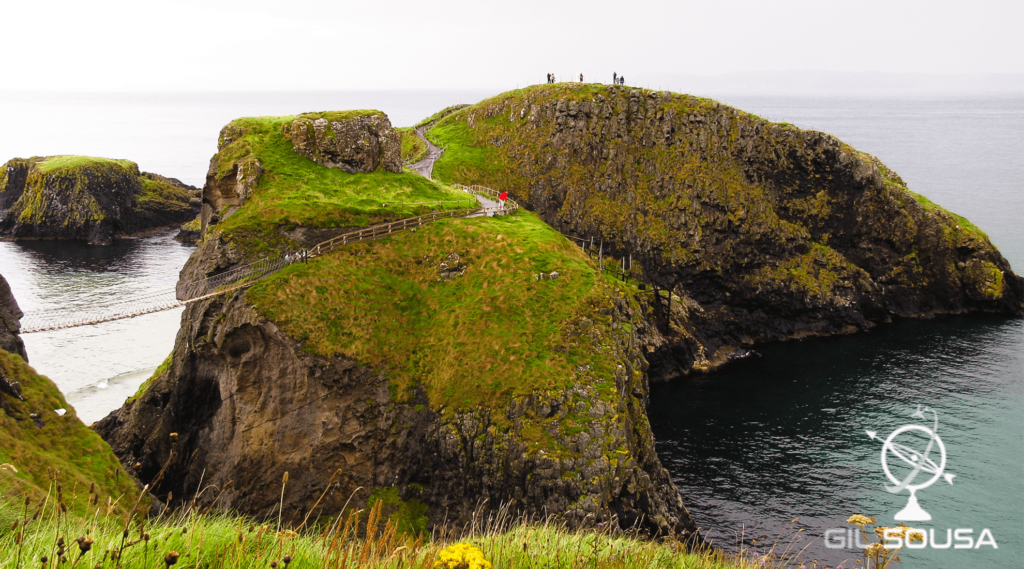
(501,199)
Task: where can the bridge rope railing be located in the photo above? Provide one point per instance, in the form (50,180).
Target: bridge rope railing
(240,276)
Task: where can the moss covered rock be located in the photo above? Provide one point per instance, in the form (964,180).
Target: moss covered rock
(355,141)
(753,231)
(89,199)
(10,321)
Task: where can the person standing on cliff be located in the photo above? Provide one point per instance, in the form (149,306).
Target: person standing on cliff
(622,79)
(615,78)
(581,77)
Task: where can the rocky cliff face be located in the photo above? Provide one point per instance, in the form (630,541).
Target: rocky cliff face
(250,404)
(10,321)
(760,231)
(90,199)
(354,141)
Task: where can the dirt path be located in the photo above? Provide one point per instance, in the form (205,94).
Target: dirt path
(425,167)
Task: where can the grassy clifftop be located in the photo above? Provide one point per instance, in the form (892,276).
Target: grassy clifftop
(88,198)
(765,231)
(291,191)
(455,308)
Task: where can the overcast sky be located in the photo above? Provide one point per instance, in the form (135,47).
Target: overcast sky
(310,44)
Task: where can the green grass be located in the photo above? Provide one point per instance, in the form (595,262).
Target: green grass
(158,195)
(295,191)
(362,539)
(479,338)
(63,449)
(52,163)
(413,147)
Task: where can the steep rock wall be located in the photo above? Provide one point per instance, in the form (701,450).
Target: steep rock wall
(10,321)
(250,404)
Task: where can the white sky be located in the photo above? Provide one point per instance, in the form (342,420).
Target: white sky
(375,44)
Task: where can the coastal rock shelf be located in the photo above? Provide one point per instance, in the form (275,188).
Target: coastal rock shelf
(88,199)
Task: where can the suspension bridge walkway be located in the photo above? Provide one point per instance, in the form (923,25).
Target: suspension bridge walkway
(245,275)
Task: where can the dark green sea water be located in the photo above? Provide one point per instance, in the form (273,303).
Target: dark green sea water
(781,435)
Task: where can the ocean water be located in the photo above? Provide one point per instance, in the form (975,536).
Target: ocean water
(767,439)
(783,435)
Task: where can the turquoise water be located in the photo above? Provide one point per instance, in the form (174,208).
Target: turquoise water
(781,435)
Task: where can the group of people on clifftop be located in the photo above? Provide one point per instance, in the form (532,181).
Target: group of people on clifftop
(616,78)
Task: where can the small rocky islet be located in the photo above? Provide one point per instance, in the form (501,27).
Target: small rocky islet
(379,367)
(88,199)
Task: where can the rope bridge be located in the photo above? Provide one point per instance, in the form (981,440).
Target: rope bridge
(242,276)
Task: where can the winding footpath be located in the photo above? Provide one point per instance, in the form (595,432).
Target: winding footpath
(425,167)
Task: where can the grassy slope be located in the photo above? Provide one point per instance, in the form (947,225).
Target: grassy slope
(413,147)
(472,155)
(710,178)
(294,191)
(478,338)
(64,444)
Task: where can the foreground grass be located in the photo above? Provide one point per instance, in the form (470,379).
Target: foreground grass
(362,539)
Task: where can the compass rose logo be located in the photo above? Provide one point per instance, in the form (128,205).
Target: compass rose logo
(913,469)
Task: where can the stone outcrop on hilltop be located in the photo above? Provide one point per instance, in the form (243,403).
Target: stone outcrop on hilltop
(10,321)
(278,378)
(355,141)
(761,231)
(89,199)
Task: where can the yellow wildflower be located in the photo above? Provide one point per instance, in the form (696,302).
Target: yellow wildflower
(874,549)
(461,556)
(860,520)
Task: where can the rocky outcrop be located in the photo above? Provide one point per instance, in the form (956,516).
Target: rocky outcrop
(10,321)
(249,404)
(354,141)
(748,231)
(190,232)
(89,199)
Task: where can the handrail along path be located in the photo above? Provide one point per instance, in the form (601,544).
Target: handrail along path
(245,275)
